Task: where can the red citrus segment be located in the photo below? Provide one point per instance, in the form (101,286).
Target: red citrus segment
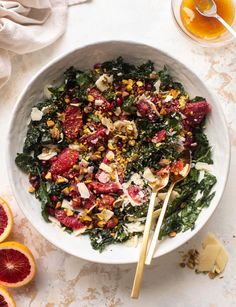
(17,265)
(68,221)
(65,160)
(73,122)
(6,220)
(3,219)
(6,300)
(14,266)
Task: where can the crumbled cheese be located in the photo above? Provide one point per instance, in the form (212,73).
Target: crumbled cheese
(74,147)
(203,166)
(106,168)
(213,256)
(83,190)
(47,155)
(168,98)
(46,109)
(46,92)
(105,215)
(148,175)
(157,85)
(66,204)
(103,82)
(36,114)
(135,227)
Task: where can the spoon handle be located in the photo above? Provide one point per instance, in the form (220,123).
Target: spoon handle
(226,25)
(143,251)
(158,226)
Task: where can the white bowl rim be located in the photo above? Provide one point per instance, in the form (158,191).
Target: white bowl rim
(58,59)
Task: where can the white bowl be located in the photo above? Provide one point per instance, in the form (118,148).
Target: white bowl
(84,58)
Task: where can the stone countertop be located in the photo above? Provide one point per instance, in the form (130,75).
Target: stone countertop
(64,280)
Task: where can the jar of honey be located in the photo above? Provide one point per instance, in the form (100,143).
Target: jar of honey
(205,30)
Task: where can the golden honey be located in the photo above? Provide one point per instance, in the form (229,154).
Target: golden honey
(206,27)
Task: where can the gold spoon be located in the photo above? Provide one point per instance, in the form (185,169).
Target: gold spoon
(208,8)
(156,186)
(186,157)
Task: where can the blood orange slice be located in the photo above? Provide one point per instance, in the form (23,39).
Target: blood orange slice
(6,220)
(17,265)
(6,300)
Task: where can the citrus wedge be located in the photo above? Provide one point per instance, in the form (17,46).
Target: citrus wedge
(6,220)
(6,300)
(17,265)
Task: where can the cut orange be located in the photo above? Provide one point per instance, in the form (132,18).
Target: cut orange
(6,300)
(6,220)
(17,265)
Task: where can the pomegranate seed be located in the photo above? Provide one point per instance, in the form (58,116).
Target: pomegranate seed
(53,198)
(97,66)
(149,87)
(154,99)
(75,100)
(43,174)
(32,179)
(44,163)
(35,184)
(119,101)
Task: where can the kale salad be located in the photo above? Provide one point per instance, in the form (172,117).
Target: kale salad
(96,141)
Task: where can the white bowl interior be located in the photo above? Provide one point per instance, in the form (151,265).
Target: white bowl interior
(84,58)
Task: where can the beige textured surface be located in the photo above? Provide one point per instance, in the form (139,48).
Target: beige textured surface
(63,280)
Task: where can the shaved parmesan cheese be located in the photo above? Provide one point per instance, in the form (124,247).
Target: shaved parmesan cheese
(207,258)
(157,85)
(105,168)
(173,196)
(213,257)
(104,177)
(103,82)
(168,98)
(46,92)
(47,155)
(107,122)
(83,190)
(79,231)
(36,114)
(105,215)
(184,170)
(46,109)
(133,242)
(110,155)
(117,111)
(98,102)
(135,227)
(136,179)
(66,204)
(54,220)
(203,166)
(201,175)
(148,175)
(74,147)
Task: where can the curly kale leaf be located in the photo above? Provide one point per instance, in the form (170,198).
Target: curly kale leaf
(168,83)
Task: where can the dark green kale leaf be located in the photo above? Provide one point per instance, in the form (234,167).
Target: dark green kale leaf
(32,138)
(42,194)
(168,83)
(129,106)
(26,163)
(197,98)
(101,238)
(203,152)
